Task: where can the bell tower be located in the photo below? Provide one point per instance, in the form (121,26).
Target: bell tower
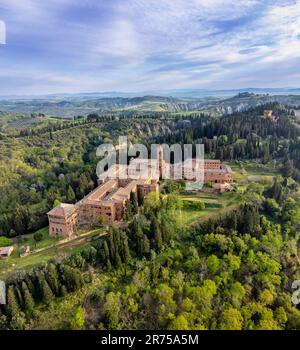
(161,161)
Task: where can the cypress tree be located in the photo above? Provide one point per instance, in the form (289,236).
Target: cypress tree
(12,304)
(156,233)
(112,248)
(106,250)
(118,261)
(276,190)
(71,195)
(46,292)
(28,299)
(133,203)
(140,197)
(146,245)
(125,248)
(19,296)
(77,279)
(52,278)
(158,239)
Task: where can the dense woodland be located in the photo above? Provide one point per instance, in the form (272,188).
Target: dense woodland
(231,273)
(234,272)
(58,163)
(248,135)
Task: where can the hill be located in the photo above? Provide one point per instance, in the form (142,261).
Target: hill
(70,106)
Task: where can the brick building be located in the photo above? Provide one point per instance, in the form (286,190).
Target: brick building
(109,199)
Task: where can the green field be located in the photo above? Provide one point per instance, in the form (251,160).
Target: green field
(246,172)
(215,204)
(14,263)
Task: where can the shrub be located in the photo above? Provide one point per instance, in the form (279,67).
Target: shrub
(38,236)
(4,241)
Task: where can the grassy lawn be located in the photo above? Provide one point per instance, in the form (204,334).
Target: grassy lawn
(188,216)
(245,172)
(45,242)
(215,204)
(14,263)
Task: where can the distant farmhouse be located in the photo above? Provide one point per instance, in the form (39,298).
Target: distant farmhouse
(268,114)
(109,199)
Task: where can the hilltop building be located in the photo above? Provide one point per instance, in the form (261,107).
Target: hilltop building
(109,199)
(268,113)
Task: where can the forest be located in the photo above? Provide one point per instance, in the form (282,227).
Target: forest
(231,272)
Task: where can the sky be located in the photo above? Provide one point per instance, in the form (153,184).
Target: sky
(70,46)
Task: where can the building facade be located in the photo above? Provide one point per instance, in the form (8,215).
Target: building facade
(109,199)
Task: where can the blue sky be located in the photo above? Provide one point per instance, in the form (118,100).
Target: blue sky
(59,46)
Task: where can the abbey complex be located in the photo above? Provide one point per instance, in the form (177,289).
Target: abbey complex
(116,184)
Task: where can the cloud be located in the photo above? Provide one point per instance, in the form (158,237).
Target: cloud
(149,44)
(2,32)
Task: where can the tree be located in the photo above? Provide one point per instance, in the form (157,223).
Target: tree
(124,248)
(4,241)
(102,220)
(156,232)
(231,319)
(276,190)
(179,323)
(46,292)
(73,278)
(237,293)
(146,245)
(288,168)
(133,203)
(77,323)
(13,308)
(213,264)
(165,302)
(266,297)
(56,203)
(28,299)
(271,207)
(52,278)
(112,308)
(83,185)
(152,204)
(71,195)
(21,219)
(38,237)
(90,254)
(140,197)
